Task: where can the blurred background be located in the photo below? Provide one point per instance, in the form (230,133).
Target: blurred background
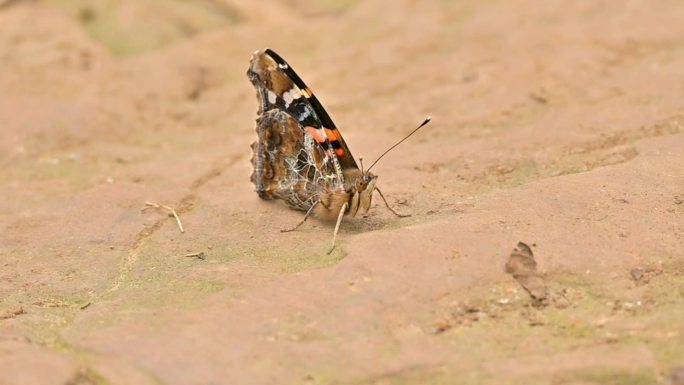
(554,123)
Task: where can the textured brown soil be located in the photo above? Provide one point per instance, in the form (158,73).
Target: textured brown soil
(555,123)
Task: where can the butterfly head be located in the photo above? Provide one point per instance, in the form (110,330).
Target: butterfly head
(365,181)
(364,186)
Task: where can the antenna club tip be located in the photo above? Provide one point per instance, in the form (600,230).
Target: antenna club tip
(429,118)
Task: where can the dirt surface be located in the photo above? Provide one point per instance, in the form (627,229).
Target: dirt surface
(558,124)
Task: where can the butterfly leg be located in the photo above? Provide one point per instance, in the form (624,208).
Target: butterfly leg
(306,216)
(337,225)
(389,207)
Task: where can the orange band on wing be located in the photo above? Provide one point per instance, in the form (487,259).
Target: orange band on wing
(339,151)
(315,133)
(333,134)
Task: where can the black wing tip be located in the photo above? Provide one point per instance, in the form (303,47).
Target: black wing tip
(274,55)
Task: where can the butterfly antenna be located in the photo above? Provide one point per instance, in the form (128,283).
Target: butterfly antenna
(361,161)
(426,121)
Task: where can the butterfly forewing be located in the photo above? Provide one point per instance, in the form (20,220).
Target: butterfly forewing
(293,158)
(325,122)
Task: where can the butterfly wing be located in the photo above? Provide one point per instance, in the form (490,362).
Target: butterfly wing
(293,159)
(284,89)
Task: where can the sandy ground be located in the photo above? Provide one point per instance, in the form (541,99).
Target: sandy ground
(559,124)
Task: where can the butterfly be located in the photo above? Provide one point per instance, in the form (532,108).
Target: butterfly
(300,156)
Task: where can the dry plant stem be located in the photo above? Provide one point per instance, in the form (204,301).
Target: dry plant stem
(337,225)
(171,209)
(303,220)
(199,255)
(389,207)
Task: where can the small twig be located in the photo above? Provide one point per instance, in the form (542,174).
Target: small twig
(173,211)
(199,255)
(83,307)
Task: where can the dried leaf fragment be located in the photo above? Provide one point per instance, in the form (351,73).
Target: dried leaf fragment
(522,266)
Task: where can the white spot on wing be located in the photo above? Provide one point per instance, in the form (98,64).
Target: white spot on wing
(305,114)
(288,98)
(271,97)
(291,95)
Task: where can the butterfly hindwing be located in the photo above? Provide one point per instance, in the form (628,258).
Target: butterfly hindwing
(287,163)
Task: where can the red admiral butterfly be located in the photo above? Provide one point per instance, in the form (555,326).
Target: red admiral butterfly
(300,155)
